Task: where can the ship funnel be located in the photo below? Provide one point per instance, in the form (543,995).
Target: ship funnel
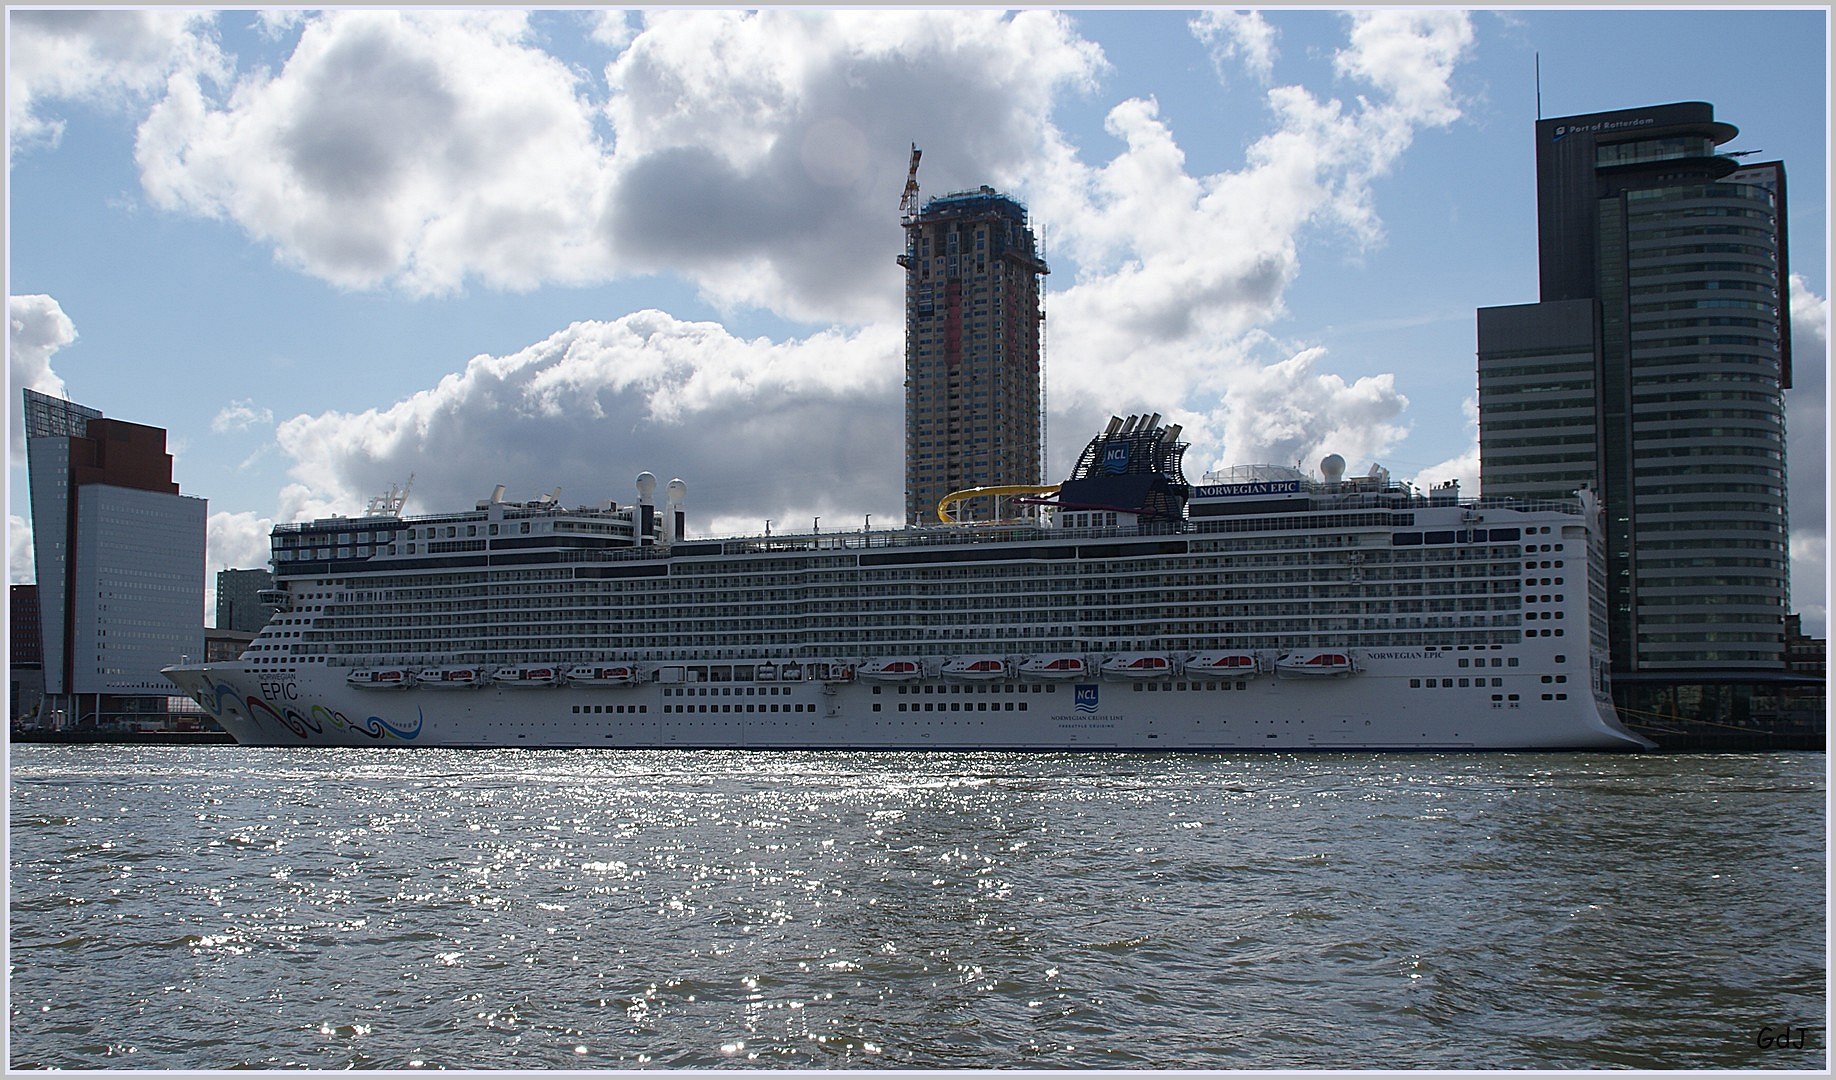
(1332,467)
(1172,433)
(497,495)
(1152,423)
(1115,424)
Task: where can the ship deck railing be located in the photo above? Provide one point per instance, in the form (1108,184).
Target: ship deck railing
(972,533)
(945,536)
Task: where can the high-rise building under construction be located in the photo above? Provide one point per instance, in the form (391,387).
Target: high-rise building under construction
(972,346)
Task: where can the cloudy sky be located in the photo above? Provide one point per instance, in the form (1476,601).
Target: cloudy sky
(330,250)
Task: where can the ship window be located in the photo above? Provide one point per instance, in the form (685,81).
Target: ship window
(1405,539)
(1415,683)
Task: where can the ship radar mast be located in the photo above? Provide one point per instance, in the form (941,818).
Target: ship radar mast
(390,504)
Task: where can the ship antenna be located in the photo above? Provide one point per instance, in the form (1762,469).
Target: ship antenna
(1539,85)
(390,504)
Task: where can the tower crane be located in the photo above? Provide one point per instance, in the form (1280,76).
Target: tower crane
(908,209)
(908,200)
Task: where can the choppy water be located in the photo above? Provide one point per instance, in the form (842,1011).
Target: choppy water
(218,907)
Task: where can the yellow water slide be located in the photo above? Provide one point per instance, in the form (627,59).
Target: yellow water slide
(944,504)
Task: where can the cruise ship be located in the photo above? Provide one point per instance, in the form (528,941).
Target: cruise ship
(1125,608)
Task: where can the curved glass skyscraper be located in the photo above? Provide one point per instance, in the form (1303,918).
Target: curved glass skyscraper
(1654,369)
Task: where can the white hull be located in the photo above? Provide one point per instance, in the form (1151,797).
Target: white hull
(1373,710)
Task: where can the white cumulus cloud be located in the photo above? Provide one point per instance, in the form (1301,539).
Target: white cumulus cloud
(240,415)
(1179,274)
(112,58)
(418,149)
(755,154)
(755,427)
(761,153)
(1287,413)
(21,569)
(1244,36)
(36,329)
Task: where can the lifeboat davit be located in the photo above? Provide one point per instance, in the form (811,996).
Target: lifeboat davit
(1054,667)
(898,670)
(602,675)
(380,678)
(976,668)
(1325,664)
(1226,665)
(527,675)
(449,678)
(1138,666)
